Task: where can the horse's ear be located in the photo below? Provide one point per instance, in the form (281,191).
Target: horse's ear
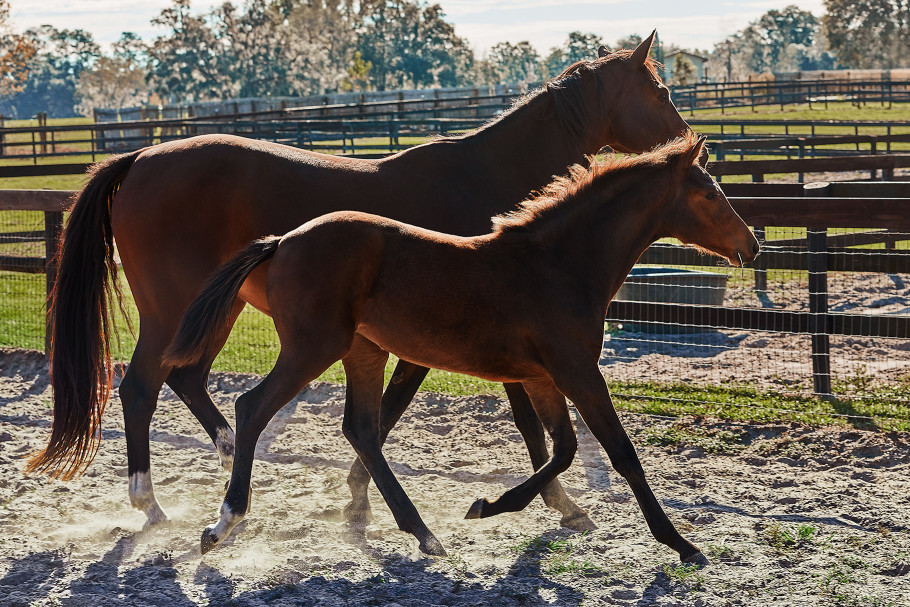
(698,153)
(644,49)
(602,51)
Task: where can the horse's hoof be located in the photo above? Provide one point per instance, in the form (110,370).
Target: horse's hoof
(476,509)
(430,545)
(356,515)
(578,521)
(698,559)
(209,540)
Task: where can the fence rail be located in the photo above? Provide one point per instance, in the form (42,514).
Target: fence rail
(872,212)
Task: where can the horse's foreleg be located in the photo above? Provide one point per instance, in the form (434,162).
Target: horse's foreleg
(553,412)
(364,367)
(592,400)
(189,383)
(139,396)
(531,431)
(398,395)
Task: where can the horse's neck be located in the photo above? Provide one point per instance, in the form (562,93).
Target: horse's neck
(524,150)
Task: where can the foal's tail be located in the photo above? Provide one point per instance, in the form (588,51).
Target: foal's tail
(208,316)
(79,316)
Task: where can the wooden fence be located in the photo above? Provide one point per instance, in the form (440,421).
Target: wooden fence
(876,209)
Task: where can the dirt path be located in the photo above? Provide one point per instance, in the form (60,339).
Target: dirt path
(789,515)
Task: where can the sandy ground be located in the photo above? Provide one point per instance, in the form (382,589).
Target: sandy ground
(789,515)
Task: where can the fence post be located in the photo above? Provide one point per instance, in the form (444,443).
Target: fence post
(817,245)
(761,273)
(53,226)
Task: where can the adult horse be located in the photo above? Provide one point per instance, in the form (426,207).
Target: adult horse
(179,209)
(524,304)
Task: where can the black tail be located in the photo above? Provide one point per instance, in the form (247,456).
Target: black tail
(208,316)
(80,323)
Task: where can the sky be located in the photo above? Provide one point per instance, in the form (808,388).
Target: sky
(545,23)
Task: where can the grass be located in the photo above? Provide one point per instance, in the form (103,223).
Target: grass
(253,345)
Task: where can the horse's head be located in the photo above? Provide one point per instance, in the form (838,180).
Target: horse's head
(640,112)
(701,215)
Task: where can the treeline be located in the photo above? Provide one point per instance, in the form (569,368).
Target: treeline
(301,47)
(852,34)
(271,48)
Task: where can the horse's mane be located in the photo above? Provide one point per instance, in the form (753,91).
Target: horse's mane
(567,92)
(564,191)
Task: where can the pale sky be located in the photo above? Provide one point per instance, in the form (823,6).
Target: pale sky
(545,23)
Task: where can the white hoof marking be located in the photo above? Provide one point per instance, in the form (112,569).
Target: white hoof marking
(142,497)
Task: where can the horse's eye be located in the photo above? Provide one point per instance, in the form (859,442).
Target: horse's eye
(711,195)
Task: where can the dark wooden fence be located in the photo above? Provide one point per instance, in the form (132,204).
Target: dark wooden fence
(877,210)
(883,208)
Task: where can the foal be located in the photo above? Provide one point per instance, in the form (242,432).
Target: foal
(524,303)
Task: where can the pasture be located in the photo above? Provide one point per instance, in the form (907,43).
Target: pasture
(788,513)
(794,499)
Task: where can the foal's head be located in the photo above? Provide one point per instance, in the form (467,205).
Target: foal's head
(636,104)
(699,213)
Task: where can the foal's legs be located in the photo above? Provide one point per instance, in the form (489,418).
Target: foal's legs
(291,373)
(531,430)
(364,365)
(589,392)
(551,409)
(400,392)
(398,395)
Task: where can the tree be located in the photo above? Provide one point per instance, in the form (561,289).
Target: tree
(358,74)
(629,42)
(684,72)
(117,80)
(869,33)
(411,45)
(578,47)
(16,51)
(53,72)
(508,63)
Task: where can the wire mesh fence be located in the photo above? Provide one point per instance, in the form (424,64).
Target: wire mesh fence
(776,357)
(22,282)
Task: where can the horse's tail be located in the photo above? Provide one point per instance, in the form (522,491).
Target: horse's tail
(79,315)
(208,316)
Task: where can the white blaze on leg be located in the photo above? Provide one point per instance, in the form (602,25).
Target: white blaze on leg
(142,497)
(224,442)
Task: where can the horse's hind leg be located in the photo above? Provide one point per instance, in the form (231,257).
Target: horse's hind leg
(398,395)
(364,366)
(553,412)
(189,383)
(139,395)
(531,431)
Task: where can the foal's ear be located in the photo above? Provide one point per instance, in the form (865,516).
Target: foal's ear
(640,55)
(602,51)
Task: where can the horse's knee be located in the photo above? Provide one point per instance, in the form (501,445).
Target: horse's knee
(564,451)
(139,399)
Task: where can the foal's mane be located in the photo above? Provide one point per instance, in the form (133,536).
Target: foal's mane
(574,193)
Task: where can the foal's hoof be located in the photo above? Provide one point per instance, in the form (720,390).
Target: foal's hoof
(209,540)
(477,509)
(698,559)
(578,521)
(430,545)
(357,515)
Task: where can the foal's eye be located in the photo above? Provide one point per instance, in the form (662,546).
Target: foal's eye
(711,195)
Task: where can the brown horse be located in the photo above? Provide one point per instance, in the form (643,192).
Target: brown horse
(524,304)
(182,208)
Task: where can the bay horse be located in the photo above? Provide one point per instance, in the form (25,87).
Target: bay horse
(523,304)
(179,209)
